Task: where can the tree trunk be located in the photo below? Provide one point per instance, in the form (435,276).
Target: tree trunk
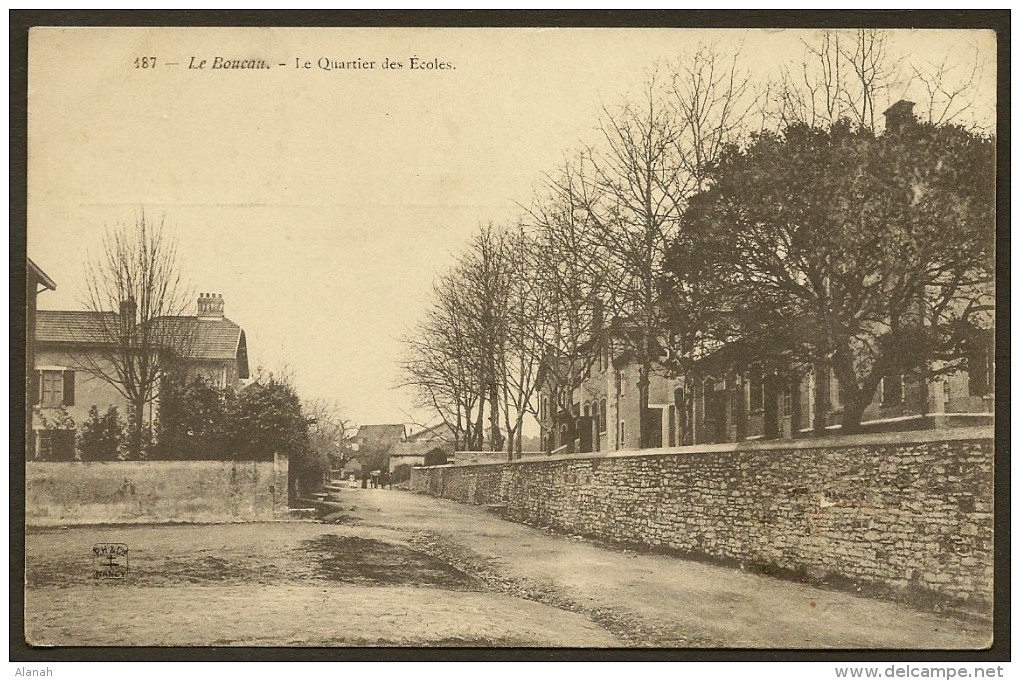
(857,396)
(477,438)
(853,412)
(643,383)
(821,411)
(136,429)
(495,435)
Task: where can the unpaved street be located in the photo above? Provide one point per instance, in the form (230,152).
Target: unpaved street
(392,568)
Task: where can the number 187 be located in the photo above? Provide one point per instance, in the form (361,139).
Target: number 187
(145,62)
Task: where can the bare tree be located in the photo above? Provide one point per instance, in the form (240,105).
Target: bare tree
(854,75)
(651,160)
(845,75)
(950,92)
(484,295)
(440,363)
(474,357)
(567,277)
(328,430)
(136,294)
(528,323)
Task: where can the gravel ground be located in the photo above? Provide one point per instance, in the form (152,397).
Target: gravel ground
(653,600)
(291,614)
(394,568)
(291,584)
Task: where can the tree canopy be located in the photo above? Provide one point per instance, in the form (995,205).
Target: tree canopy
(870,254)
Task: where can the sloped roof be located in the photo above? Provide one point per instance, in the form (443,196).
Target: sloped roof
(74,326)
(206,339)
(384,433)
(440,431)
(41,276)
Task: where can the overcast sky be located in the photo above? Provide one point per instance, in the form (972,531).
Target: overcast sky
(319,203)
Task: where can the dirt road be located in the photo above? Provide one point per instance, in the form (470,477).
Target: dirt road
(394,568)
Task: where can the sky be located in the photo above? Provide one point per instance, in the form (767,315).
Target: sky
(322,202)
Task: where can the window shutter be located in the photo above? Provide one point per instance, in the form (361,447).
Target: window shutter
(68,388)
(34,386)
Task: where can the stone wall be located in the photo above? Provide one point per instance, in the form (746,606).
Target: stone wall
(902,515)
(74,493)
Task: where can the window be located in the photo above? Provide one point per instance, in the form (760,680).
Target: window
(757,398)
(587,409)
(623,432)
(892,390)
(55,445)
(602,416)
(623,383)
(56,388)
(837,393)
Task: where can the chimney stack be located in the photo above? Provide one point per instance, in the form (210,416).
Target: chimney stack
(210,306)
(899,116)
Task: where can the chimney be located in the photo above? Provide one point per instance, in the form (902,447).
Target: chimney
(210,306)
(899,116)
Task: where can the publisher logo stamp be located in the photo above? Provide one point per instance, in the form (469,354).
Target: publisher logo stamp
(110,561)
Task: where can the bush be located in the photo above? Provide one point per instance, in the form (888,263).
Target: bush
(401,473)
(193,422)
(266,419)
(101,436)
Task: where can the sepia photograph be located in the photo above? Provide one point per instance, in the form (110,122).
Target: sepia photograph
(510,338)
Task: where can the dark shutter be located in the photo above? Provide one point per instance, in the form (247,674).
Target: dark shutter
(34,385)
(68,388)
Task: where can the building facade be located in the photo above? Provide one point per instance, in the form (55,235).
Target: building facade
(36,281)
(726,398)
(74,358)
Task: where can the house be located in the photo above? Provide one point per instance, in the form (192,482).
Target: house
(379,436)
(74,349)
(216,347)
(36,281)
(590,403)
(733,393)
(372,444)
(428,447)
(412,454)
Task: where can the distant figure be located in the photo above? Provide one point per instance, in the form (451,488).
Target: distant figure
(384,480)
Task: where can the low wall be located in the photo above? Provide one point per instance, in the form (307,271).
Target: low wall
(902,515)
(154,491)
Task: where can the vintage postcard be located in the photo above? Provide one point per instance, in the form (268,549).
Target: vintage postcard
(580,338)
